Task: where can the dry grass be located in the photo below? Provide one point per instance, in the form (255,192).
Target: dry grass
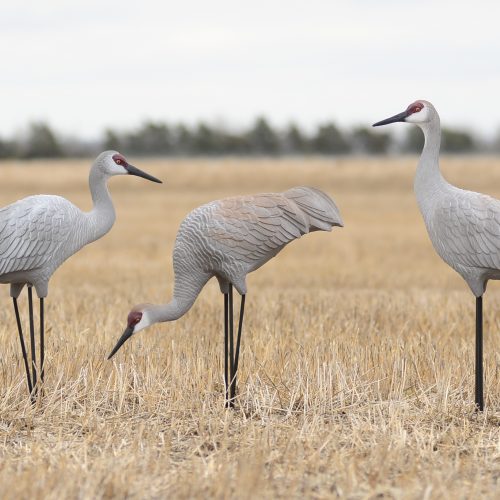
(356,377)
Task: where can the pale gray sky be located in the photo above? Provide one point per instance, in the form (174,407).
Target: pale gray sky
(87,64)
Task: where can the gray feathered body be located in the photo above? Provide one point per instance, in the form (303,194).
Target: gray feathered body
(38,233)
(464,226)
(29,253)
(232,237)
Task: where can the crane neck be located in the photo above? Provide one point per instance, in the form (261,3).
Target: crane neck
(428,178)
(188,285)
(102,216)
(159,313)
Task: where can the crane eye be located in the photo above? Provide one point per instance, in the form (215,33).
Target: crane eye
(415,109)
(119,159)
(134,317)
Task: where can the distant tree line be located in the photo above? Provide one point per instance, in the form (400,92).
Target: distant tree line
(152,138)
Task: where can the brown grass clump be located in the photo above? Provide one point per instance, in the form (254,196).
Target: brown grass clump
(356,376)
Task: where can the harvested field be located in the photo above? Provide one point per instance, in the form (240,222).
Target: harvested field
(356,374)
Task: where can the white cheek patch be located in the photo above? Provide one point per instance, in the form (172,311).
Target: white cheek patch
(143,323)
(118,169)
(419,117)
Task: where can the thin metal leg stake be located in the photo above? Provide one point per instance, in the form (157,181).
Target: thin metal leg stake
(23,345)
(42,343)
(238,341)
(226,350)
(231,357)
(231,347)
(32,340)
(479,354)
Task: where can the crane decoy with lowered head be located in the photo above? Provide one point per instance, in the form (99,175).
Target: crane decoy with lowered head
(464,226)
(228,239)
(38,233)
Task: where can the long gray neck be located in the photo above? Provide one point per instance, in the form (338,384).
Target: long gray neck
(188,285)
(102,216)
(171,311)
(428,179)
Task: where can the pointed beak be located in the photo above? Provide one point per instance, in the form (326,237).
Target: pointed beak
(135,171)
(126,335)
(400,117)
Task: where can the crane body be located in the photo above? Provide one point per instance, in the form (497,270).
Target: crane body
(38,233)
(228,239)
(463,226)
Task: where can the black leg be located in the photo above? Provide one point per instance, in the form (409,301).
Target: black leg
(231,346)
(32,339)
(42,342)
(23,345)
(238,340)
(479,354)
(226,349)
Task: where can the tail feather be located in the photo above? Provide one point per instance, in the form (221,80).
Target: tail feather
(317,206)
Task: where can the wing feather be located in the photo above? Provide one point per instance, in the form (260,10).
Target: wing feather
(469,227)
(254,228)
(33,231)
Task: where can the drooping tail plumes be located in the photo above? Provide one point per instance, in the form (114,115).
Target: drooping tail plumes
(318,208)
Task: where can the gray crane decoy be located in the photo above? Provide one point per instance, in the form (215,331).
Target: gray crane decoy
(228,239)
(38,233)
(464,226)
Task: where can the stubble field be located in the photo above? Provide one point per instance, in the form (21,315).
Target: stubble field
(356,373)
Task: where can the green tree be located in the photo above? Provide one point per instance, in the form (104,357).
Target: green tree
(40,142)
(7,149)
(367,141)
(151,138)
(182,140)
(207,140)
(495,145)
(112,140)
(236,144)
(330,140)
(413,141)
(457,141)
(295,142)
(262,139)
(452,141)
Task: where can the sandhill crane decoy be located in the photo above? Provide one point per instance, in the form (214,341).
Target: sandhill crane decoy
(38,233)
(464,226)
(228,239)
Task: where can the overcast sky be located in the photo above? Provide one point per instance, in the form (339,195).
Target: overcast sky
(85,65)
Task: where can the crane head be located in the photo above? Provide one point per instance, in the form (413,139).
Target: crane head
(137,320)
(113,163)
(418,112)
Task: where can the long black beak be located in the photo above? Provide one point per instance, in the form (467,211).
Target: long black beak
(135,171)
(126,335)
(400,117)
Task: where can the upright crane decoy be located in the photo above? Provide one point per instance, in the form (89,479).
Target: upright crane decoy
(38,233)
(228,239)
(464,226)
